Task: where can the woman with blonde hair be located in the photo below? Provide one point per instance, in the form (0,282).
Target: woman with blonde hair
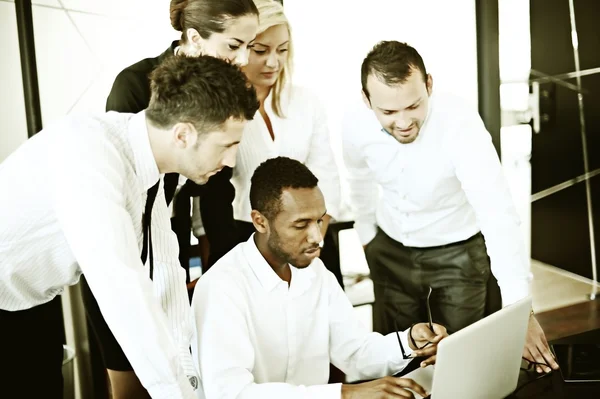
(291,122)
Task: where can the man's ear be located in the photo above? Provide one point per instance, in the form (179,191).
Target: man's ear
(184,135)
(260,222)
(366,99)
(429,84)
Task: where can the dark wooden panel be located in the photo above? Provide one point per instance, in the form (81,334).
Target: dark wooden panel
(557,152)
(551,48)
(595,188)
(591,107)
(559,230)
(587,13)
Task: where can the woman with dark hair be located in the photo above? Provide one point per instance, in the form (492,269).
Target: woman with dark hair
(219,28)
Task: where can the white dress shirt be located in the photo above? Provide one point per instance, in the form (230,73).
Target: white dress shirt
(442,188)
(302,134)
(260,338)
(71,202)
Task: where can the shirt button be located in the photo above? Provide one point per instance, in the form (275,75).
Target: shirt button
(404,197)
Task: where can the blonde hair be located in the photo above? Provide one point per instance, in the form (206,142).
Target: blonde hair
(270,13)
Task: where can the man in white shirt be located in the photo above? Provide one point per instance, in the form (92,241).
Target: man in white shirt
(431,201)
(270,317)
(74,201)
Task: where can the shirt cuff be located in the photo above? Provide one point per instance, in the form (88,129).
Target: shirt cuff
(326,391)
(366,232)
(187,363)
(404,339)
(514,292)
(392,342)
(182,389)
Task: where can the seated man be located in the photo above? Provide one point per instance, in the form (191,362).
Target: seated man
(270,317)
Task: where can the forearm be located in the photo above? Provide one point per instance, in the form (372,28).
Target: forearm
(381,356)
(138,323)
(170,282)
(505,243)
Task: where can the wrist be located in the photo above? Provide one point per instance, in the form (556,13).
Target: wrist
(346,391)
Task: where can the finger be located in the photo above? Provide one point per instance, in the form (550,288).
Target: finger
(429,361)
(541,352)
(426,352)
(527,354)
(437,339)
(394,391)
(544,348)
(421,332)
(548,357)
(410,384)
(537,356)
(440,330)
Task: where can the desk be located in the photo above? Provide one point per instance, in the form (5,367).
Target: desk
(553,386)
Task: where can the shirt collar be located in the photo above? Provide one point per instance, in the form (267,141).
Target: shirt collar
(168,52)
(301,278)
(145,164)
(284,99)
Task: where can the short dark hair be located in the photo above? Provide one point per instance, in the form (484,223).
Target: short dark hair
(207,16)
(204,91)
(391,61)
(272,177)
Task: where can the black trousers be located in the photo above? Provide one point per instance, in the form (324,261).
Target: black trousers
(329,254)
(459,275)
(31,352)
(112,353)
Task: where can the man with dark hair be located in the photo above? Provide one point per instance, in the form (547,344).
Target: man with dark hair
(270,317)
(88,212)
(444,203)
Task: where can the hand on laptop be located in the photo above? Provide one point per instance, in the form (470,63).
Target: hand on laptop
(426,338)
(383,388)
(537,349)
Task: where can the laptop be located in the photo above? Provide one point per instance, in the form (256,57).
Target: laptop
(481,360)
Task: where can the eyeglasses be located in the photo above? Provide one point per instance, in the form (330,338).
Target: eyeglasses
(531,365)
(430,322)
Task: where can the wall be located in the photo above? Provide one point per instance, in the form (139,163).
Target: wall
(565,210)
(332,37)
(80,47)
